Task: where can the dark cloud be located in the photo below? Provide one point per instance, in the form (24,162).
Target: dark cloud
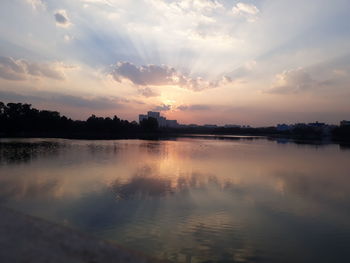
(11,69)
(95,103)
(7,96)
(154,75)
(163,107)
(61,18)
(196,107)
(45,70)
(144,75)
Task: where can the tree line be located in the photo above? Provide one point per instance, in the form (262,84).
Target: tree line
(21,119)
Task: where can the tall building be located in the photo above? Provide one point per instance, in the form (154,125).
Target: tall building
(172,123)
(153,114)
(345,123)
(142,117)
(162,121)
(317,124)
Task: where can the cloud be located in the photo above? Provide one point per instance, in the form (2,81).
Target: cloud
(242,8)
(199,5)
(195,9)
(67,38)
(248,11)
(106,2)
(163,107)
(95,103)
(148,92)
(154,75)
(243,70)
(195,107)
(44,70)
(144,75)
(293,81)
(61,18)
(36,4)
(12,69)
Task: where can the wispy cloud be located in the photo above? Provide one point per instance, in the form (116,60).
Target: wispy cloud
(36,4)
(195,107)
(243,8)
(249,11)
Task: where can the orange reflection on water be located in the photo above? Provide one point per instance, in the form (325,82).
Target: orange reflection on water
(189,199)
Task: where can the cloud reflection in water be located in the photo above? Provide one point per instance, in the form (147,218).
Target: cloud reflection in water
(195,200)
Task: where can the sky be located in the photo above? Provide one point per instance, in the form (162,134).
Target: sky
(256,62)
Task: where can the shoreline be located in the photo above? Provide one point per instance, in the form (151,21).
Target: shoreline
(170,136)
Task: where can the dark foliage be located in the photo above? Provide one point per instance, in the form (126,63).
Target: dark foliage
(17,119)
(246,131)
(298,131)
(21,120)
(342,132)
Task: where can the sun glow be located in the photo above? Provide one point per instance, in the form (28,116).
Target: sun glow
(205,61)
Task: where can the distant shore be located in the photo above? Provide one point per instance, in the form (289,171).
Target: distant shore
(22,121)
(279,138)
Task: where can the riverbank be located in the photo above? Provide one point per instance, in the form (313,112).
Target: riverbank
(343,142)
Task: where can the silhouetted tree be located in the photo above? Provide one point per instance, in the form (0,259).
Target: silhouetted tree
(17,119)
(342,132)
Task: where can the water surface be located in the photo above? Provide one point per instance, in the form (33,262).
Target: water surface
(189,200)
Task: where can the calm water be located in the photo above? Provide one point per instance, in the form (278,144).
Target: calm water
(189,200)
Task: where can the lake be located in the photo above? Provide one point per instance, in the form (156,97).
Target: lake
(189,199)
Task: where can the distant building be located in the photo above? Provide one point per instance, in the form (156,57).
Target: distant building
(317,124)
(283,127)
(172,123)
(232,126)
(210,126)
(300,125)
(162,121)
(344,123)
(142,117)
(153,114)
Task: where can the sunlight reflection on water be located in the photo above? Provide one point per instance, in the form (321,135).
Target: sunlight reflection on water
(190,199)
